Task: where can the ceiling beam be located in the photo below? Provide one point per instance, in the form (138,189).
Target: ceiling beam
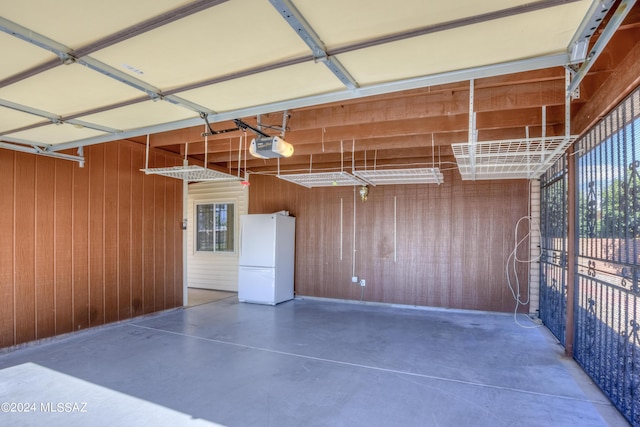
(319,51)
(621,82)
(376,89)
(423,104)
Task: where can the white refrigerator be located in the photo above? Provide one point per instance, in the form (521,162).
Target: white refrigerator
(267,251)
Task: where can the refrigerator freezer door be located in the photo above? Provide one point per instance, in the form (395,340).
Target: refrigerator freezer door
(257,240)
(256,285)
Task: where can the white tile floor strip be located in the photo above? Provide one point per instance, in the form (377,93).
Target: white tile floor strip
(32,395)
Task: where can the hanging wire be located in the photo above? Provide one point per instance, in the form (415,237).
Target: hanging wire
(239,155)
(433,151)
(206,149)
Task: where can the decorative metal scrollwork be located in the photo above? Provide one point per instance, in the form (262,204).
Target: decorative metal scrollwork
(563,260)
(590,327)
(635,288)
(592,214)
(554,300)
(629,360)
(591,271)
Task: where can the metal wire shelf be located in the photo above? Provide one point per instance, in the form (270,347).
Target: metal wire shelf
(323,179)
(509,159)
(401,176)
(191,173)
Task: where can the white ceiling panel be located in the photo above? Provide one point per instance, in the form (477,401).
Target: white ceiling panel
(234,36)
(55,134)
(341,22)
(12,119)
(142,114)
(292,82)
(248,46)
(18,56)
(518,37)
(68,89)
(76,23)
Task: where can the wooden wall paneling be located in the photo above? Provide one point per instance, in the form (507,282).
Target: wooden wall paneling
(435,219)
(7,253)
(80,214)
(25,253)
(44,247)
(349,290)
(518,210)
(148,242)
(159,235)
(124,231)
(328,253)
(95,162)
(309,226)
(414,245)
(451,240)
(439,216)
(63,246)
(137,242)
(487,207)
(111,233)
(408,227)
(374,242)
(306,267)
(80,252)
(460,210)
(319,267)
(177,244)
(272,194)
(171,223)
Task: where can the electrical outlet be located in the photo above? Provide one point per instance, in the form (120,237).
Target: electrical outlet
(354,279)
(362,282)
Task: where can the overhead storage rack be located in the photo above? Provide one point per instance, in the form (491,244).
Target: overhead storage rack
(509,159)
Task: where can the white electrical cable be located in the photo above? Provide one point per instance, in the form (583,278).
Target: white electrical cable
(513,260)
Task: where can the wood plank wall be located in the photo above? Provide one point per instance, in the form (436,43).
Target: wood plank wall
(425,245)
(81,247)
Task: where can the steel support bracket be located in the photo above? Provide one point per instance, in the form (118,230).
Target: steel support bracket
(304,30)
(39,151)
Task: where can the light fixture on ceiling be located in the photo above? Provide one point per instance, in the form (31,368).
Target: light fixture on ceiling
(364,192)
(270,147)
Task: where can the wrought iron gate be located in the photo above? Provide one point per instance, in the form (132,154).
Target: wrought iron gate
(553,248)
(607,293)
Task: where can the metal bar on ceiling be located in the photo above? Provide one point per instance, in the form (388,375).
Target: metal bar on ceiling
(38,151)
(579,44)
(304,30)
(378,89)
(36,39)
(52,118)
(621,12)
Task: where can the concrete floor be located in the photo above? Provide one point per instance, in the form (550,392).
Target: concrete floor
(303,363)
